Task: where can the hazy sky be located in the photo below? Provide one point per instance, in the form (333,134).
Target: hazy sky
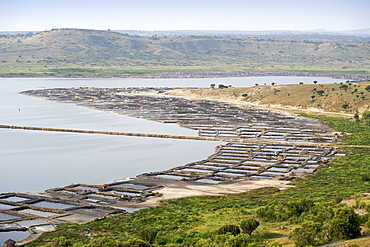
(36,15)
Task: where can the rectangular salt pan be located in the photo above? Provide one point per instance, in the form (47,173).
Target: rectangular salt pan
(195,170)
(5,216)
(258,163)
(6,207)
(232,174)
(85,188)
(15,199)
(173,177)
(130,186)
(52,205)
(37,213)
(207,181)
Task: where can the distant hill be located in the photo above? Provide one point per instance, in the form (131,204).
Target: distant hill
(278,33)
(78,52)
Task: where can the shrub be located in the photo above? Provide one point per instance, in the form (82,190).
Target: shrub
(249,225)
(233,229)
(240,240)
(58,242)
(366,117)
(222,86)
(345,224)
(104,242)
(320,92)
(345,106)
(365,178)
(308,234)
(148,235)
(134,242)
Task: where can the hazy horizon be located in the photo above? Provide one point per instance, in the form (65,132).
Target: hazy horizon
(166,15)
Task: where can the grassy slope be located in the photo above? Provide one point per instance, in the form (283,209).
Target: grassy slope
(186,221)
(103,53)
(296,96)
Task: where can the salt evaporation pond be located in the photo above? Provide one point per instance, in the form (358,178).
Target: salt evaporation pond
(35,160)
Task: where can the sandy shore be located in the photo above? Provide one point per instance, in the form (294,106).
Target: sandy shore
(175,189)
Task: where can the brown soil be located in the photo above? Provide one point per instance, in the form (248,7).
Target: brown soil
(177,190)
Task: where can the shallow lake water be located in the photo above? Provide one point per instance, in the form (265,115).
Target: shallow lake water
(35,160)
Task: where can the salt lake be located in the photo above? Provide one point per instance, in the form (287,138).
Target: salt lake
(34,160)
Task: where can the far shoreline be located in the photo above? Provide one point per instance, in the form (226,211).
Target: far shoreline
(210,74)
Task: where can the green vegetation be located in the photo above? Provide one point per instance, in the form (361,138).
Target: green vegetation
(93,53)
(249,225)
(320,208)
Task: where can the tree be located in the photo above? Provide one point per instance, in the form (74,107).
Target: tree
(320,92)
(313,96)
(310,233)
(249,225)
(213,85)
(345,224)
(356,117)
(367,88)
(272,83)
(233,229)
(222,86)
(314,82)
(345,106)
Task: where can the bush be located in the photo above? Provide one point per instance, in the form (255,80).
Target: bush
(58,242)
(103,242)
(320,92)
(308,234)
(148,235)
(134,242)
(233,229)
(249,225)
(240,240)
(365,178)
(366,117)
(345,224)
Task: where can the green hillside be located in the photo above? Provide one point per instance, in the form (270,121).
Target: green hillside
(76,52)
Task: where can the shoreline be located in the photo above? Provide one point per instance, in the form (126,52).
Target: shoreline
(215,74)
